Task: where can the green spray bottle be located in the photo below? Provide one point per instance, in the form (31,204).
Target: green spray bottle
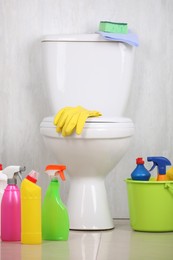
(55,219)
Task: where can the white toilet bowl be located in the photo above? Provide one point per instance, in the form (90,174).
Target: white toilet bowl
(89,157)
(87,70)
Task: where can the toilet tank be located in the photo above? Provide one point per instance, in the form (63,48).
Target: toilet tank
(87,70)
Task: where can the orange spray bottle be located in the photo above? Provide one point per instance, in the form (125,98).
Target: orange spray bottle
(161,163)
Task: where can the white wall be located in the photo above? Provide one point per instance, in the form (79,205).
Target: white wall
(23,102)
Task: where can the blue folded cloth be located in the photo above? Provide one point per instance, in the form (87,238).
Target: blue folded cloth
(129,38)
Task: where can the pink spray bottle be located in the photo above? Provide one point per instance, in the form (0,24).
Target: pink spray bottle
(11,206)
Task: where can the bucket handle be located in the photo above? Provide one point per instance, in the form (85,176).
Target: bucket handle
(168,186)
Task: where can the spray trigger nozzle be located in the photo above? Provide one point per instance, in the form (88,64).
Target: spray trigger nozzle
(152,168)
(161,163)
(61,174)
(55,170)
(12,172)
(22,169)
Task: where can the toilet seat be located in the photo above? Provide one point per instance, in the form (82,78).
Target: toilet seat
(95,127)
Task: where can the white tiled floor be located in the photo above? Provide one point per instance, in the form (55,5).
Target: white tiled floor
(121,243)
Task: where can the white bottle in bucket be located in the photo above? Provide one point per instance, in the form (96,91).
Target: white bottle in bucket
(3,184)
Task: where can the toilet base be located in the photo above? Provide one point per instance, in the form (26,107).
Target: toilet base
(88,204)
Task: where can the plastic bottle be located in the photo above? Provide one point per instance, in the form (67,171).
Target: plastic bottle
(11,206)
(31,210)
(140,173)
(55,219)
(161,163)
(3,184)
(169,174)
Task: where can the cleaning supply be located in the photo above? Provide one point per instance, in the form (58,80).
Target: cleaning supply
(169,174)
(140,173)
(55,219)
(161,163)
(11,206)
(129,38)
(113,27)
(69,118)
(150,205)
(31,210)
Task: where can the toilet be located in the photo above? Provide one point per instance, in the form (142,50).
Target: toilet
(86,70)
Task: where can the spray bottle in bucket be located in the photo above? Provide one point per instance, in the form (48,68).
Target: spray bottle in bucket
(10,206)
(55,219)
(161,163)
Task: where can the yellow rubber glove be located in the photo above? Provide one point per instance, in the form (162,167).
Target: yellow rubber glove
(69,118)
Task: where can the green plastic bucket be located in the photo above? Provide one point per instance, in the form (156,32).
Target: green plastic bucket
(150,205)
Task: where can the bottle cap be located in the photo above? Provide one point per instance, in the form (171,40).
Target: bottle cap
(32,176)
(139,160)
(12,181)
